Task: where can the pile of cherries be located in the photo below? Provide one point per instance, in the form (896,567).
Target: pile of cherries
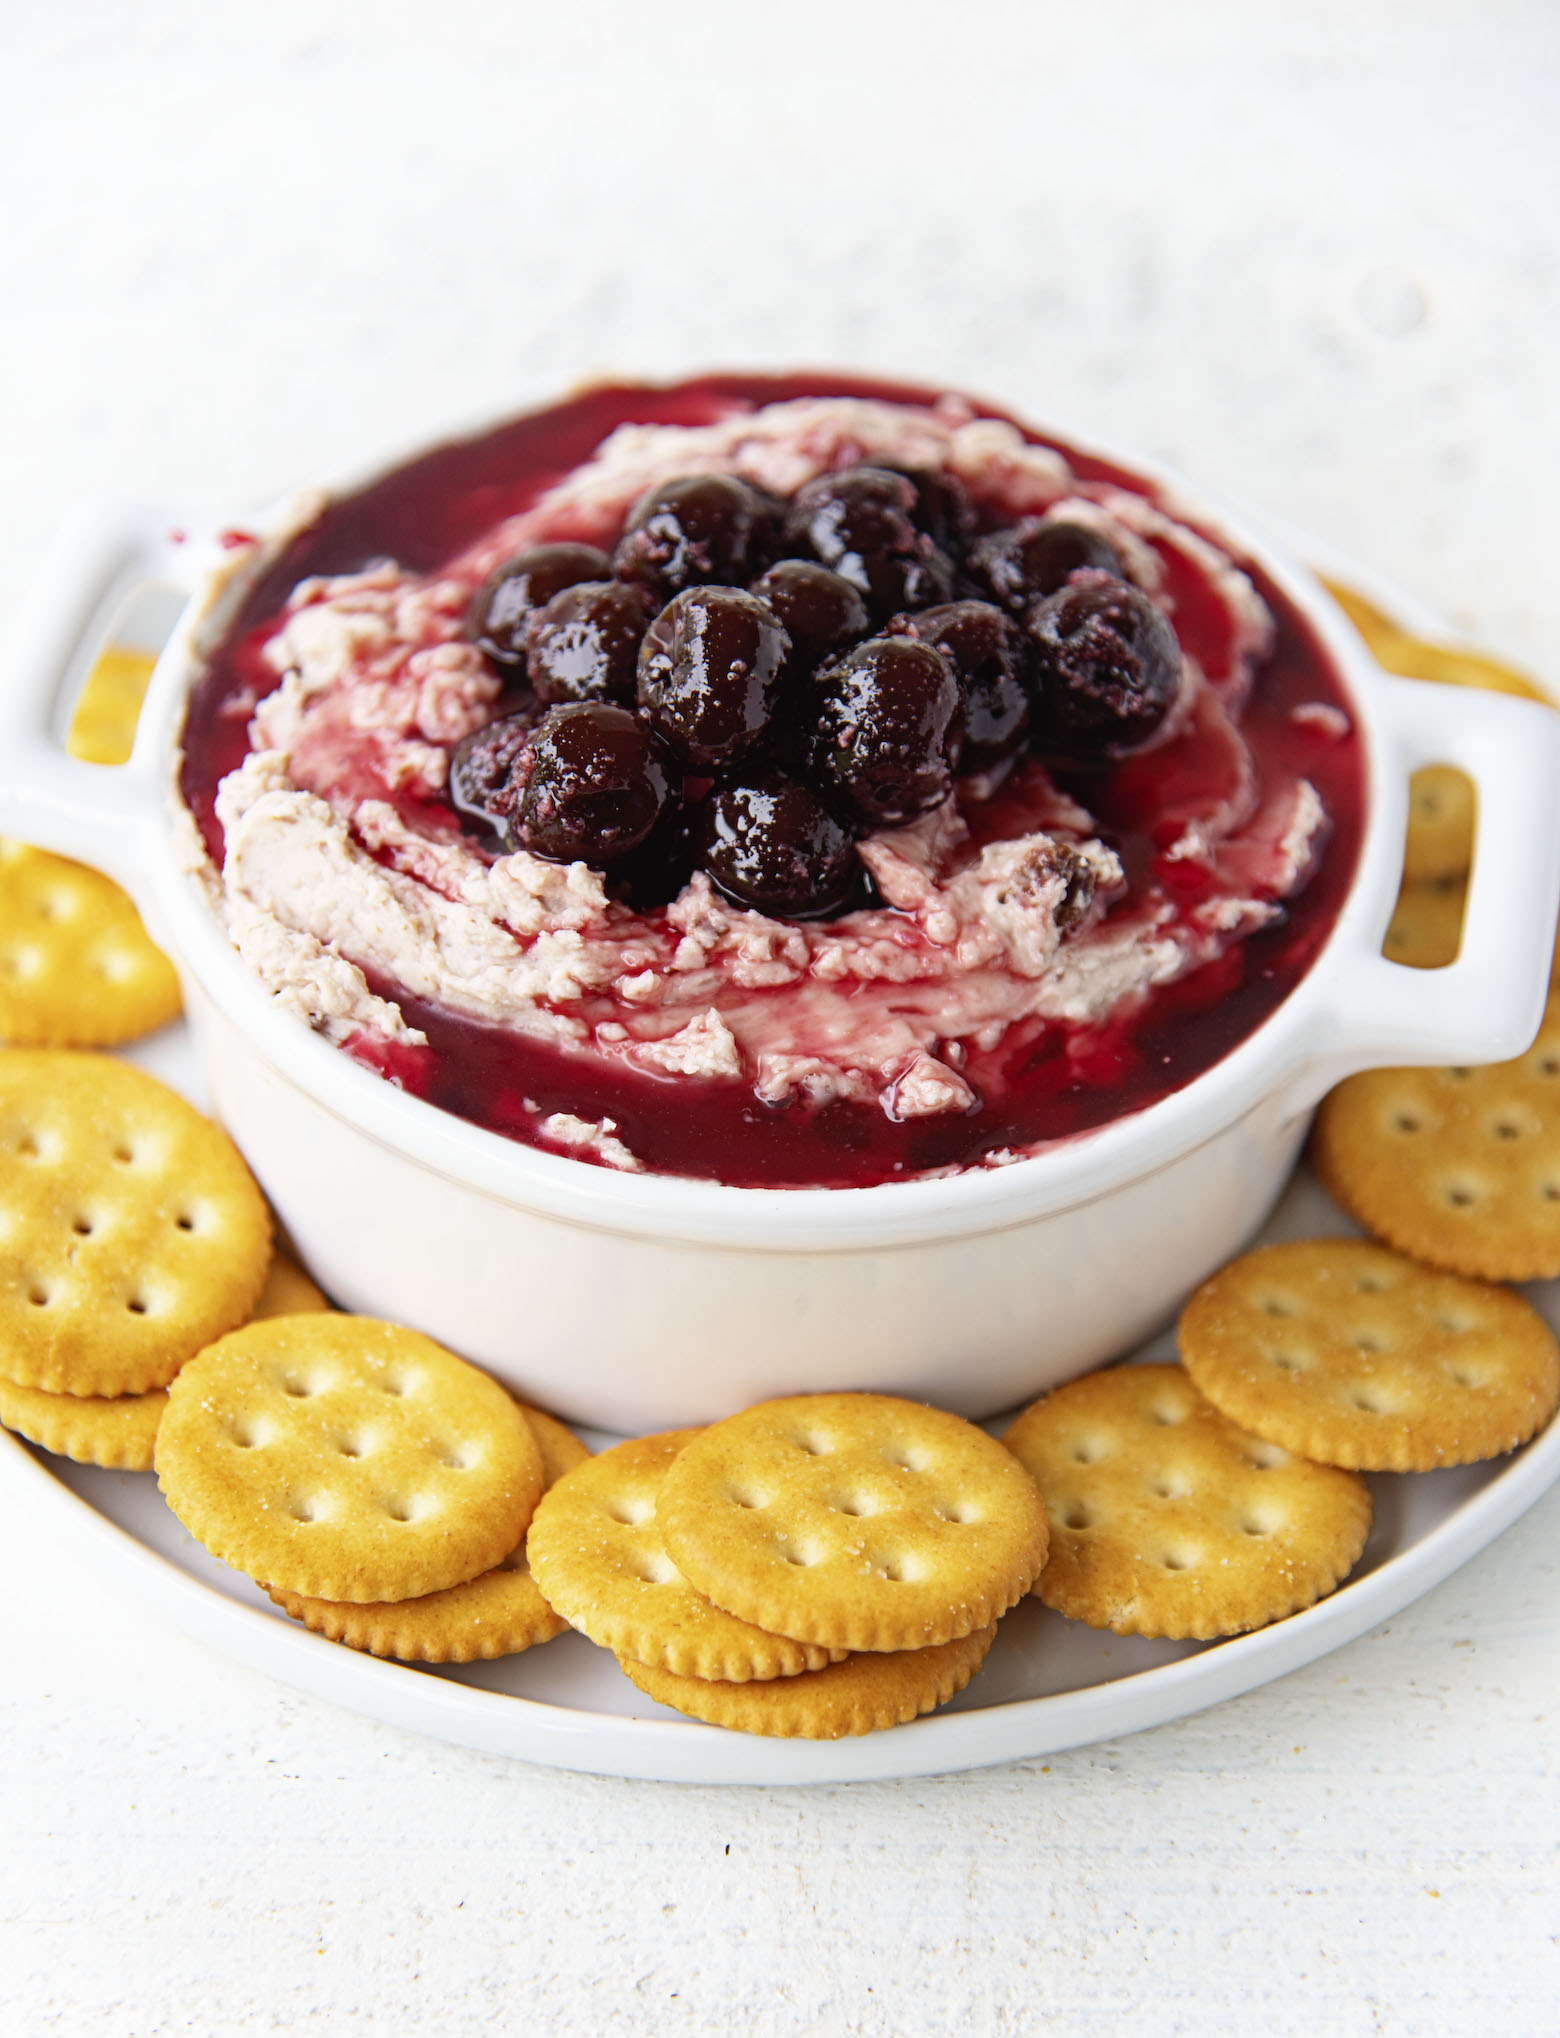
(750,684)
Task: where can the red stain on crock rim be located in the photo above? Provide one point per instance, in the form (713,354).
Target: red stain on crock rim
(1042,1082)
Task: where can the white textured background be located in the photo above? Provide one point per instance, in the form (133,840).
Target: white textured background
(1311,254)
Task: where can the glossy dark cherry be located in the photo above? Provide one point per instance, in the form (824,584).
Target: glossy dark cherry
(427,513)
(1035,558)
(942,508)
(482,770)
(1108,667)
(862,523)
(773,845)
(888,723)
(584,645)
(589,786)
(992,660)
(821,611)
(667,858)
(704,530)
(502,608)
(711,672)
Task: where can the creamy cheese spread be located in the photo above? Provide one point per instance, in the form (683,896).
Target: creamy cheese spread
(346,882)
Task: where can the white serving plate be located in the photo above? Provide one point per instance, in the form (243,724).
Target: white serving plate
(1047,1685)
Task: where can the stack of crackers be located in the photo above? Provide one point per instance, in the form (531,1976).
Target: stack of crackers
(815,1566)
(820,1565)
(376,1486)
(132,1234)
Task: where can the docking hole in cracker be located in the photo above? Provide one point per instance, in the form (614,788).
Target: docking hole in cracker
(342,1458)
(1168,1520)
(1440,825)
(1426,926)
(131,1232)
(854,1521)
(1458,1167)
(1354,1355)
(859,1695)
(597,1553)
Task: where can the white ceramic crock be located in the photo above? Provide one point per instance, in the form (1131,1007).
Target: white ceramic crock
(641,1301)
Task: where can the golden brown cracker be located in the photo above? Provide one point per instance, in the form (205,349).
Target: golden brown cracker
(1440,825)
(596,1551)
(1413,658)
(1459,1167)
(1353,1355)
(1441,804)
(1426,927)
(76,967)
(856,1521)
(288,1291)
(119,1433)
(131,1232)
(102,727)
(856,1696)
(1166,1519)
(560,1448)
(342,1458)
(497,1614)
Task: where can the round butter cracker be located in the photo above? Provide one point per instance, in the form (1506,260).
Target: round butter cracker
(1426,927)
(1415,658)
(103,723)
(118,1433)
(342,1458)
(498,1614)
(1168,1520)
(857,1696)
(1439,847)
(76,966)
(131,1232)
(1355,1356)
(288,1291)
(1459,1167)
(560,1449)
(855,1521)
(596,1551)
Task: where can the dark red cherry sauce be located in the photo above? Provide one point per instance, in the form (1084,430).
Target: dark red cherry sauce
(1044,1082)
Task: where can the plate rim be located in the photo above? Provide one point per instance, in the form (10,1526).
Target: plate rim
(675,1750)
(672,1749)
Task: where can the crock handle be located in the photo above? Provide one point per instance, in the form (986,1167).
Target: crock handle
(106,815)
(1485,1006)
